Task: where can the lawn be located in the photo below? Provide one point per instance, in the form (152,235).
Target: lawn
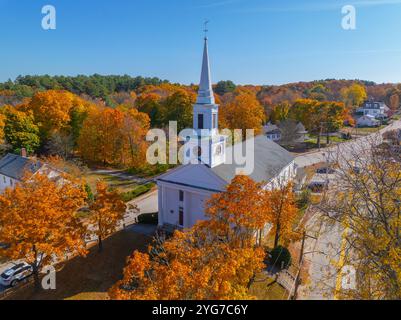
(91,277)
(122,185)
(265,288)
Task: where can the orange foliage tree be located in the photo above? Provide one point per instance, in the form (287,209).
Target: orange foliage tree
(114,137)
(2,122)
(106,212)
(282,213)
(51,110)
(215,259)
(243,112)
(39,223)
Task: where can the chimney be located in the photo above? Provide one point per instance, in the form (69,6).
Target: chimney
(23,152)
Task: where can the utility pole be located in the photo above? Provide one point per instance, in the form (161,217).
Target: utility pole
(300,263)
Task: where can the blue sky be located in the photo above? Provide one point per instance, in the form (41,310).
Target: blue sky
(251,41)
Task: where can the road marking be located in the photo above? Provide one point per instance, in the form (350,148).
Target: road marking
(341,264)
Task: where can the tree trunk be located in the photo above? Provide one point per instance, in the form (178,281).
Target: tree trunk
(35,270)
(100,244)
(318,139)
(277,236)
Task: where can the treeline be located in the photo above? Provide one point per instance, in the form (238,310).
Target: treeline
(95,86)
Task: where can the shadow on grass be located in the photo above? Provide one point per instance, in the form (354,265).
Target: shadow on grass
(90,277)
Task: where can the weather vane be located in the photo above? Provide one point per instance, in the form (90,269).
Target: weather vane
(206,29)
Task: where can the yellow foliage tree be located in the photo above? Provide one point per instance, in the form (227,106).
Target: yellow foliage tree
(106,212)
(39,223)
(282,213)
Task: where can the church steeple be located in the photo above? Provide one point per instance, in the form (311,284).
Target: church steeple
(207,145)
(205,94)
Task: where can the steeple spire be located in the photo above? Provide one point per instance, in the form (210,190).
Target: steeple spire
(205,94)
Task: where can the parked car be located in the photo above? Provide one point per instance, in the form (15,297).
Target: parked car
(15,274)
(317,186)
(326,170)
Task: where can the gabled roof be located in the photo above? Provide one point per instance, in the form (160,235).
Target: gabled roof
(269,160)
(14,166)
(271,129)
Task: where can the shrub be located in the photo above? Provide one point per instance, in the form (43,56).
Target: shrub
(148,218)
(303,200)
(136,192)
(281,257)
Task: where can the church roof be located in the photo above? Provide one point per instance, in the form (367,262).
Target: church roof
(269,160)
(205,93)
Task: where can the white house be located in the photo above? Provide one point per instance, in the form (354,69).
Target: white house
(367,121)
(374,109)
(272,132)
(13,167)
(184,190)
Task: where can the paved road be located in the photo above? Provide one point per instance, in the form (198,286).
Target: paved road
(321,156)
(323,262)
(322,257)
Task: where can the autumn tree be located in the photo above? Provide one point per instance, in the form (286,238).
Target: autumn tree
(216,259)
(51,110)
(114,137)
(282,212)
(354,95)
(20,131)
(280,112)
(223,87)
(107,211)
(2,123)
(150,104)
(365,203)
(178,107)
(319,117)
(243,112)
(242,206)
(39,222)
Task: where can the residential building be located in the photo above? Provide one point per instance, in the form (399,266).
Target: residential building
(367,121)
(13,168)
(374,109)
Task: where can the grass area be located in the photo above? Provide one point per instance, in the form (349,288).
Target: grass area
(363,131)
(150,171)
(312,141)
(265,288)
(91,277)
(121,185)
(137,191)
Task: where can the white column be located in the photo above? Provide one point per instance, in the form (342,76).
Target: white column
(161,204)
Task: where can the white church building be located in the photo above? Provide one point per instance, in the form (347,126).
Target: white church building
(184,190)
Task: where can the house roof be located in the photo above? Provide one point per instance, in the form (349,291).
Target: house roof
(14,166)
(271,128)
(269,160)
(374,105)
